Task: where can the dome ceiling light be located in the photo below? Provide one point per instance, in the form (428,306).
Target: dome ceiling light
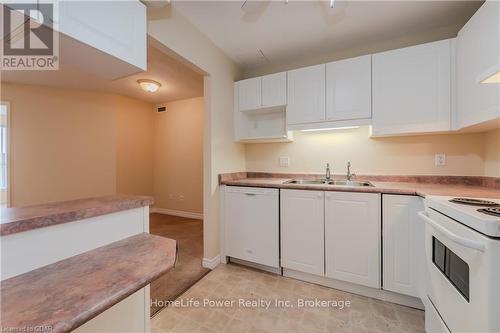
(149,85)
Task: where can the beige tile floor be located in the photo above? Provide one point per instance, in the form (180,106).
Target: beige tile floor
(233,282)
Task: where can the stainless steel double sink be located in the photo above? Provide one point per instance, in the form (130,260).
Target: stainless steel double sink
(329,182)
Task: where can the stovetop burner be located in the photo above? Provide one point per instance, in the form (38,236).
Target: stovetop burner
(495,211)
(474,202)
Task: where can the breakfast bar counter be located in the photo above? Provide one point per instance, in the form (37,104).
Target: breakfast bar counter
(64,295)
(14,220)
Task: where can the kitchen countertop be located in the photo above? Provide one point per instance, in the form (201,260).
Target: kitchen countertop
(68,293)
(14,220)
(441,186)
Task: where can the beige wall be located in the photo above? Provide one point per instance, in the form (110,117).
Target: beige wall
(135,146)
(412,155)
(62,144)
(178,161)
(221,154)
(69,144)
(492,154)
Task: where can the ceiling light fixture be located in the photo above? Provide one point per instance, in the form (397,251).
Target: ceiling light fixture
(332,3)
(149,85)
(329,129)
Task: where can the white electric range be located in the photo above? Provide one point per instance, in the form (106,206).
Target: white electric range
(462,245)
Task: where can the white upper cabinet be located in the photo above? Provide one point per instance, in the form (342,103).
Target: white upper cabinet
(349,89)
(117,28)
(302,231)
(403,240)
(412,90)
(262,92)
(352,237)
(250,94)
(478,53)
(260,110)
(274,90)
(306,95)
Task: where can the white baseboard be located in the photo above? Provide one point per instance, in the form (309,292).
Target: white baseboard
(380,294)
(211,263)
(275,270)
(174,212)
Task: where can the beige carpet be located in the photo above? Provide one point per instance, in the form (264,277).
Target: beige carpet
(188,270)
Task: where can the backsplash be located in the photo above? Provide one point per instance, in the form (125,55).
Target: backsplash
(466,154)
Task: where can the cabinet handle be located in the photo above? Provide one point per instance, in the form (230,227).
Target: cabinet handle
(247,193)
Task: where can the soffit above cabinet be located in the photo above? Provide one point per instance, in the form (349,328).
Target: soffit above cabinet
(108,39)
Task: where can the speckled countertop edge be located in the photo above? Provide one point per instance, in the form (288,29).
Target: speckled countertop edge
(68,293)
(431,185)
(15,220)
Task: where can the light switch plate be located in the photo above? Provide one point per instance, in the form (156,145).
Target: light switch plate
(284,161)
(440,159)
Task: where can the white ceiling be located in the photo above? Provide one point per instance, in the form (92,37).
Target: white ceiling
(178,80)
(311,28)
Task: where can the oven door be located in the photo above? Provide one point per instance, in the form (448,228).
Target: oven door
(463,269)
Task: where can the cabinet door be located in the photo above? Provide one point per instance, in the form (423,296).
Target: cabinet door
(306,95)
(251,218)
(274,90)
(302,231)
(349,89)
(478,51)
(403,243)
(250,94)
(114,27)
(411,89)
(352,237)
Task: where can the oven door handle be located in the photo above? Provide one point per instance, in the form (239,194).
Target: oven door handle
(454,237)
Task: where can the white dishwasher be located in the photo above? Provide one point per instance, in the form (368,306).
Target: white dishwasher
(251,217)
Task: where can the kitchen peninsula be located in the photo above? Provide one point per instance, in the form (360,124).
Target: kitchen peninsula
(72,251)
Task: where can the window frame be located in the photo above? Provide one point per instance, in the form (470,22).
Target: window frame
(9,143)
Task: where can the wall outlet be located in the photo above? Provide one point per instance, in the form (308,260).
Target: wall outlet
(440,159)
(284,161)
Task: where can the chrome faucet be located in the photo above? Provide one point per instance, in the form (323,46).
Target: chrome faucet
(349,174)
(328,175)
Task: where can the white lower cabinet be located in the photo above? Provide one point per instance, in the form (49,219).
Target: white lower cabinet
(302,231)
(251,218)
(403,239)
(366,239)
(352,237)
